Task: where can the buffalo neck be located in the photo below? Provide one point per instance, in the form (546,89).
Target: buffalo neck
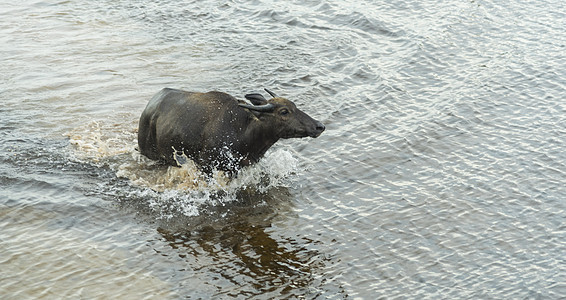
(260,137)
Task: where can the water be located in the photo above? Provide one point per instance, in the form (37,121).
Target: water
(441,173)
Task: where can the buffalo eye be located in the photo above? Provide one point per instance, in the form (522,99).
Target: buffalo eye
(284,112)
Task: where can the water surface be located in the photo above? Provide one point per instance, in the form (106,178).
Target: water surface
(441,173)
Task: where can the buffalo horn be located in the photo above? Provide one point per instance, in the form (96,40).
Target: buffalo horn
(261,108)
(271,93)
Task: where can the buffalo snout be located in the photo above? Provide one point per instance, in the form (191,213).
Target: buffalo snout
(318,129)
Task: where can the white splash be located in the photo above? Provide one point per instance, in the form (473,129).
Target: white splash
(97,141)
(172,190)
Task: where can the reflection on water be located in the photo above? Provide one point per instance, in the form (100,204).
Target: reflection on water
(244,252)
(270,267)
(440,175)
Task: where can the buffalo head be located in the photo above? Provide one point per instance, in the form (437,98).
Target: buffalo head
(285,119)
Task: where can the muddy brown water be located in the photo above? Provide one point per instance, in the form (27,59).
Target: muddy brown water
(441,173)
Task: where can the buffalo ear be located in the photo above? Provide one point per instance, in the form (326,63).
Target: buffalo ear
(256,99)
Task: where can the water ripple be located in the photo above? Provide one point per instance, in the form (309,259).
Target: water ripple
(440,174)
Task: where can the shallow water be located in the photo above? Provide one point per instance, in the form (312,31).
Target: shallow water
(441,173)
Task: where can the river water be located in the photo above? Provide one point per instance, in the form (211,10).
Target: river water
(441,174)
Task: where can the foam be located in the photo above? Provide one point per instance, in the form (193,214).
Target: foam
(171,190)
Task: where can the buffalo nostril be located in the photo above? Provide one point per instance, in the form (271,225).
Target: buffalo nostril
(317,129)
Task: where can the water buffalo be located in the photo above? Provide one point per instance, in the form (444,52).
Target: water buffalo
(216,130)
